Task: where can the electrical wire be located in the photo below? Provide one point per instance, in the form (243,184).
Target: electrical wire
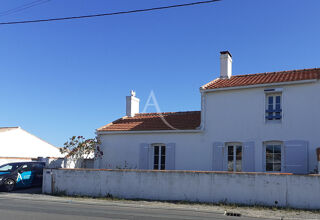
(23,7)
(108,14)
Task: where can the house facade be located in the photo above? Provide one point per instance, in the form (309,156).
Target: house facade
(266,122)
(18,145)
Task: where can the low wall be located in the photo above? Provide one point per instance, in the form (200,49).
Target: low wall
(284,190)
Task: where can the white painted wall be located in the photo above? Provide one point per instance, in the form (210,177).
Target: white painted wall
(245,188)
(239,115)
(228,116)
(122,151)
(19,143)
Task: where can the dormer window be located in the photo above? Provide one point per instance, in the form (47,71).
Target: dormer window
(273,106)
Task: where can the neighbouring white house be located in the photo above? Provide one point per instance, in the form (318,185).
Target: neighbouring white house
(17,145)
(266,122)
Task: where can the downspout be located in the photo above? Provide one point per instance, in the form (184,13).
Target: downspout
(203,109)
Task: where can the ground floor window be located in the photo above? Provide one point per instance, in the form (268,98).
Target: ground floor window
(159,162)
(234,157)
(273,157)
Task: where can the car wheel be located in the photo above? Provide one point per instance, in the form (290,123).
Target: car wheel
(9,185)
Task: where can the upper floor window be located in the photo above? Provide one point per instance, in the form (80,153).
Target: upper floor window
(273,107)
(159,161)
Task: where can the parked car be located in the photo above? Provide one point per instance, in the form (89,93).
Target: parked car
(21,175)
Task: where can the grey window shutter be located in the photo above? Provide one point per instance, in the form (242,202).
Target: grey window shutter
(218,158)
(296,157)
(144,156)
(170,156)
(248,158)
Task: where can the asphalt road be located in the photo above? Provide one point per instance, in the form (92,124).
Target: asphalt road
(20,205)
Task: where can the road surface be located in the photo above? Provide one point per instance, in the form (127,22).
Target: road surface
(21,206)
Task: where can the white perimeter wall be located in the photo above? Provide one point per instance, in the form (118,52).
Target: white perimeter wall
(246,188)
(229,116)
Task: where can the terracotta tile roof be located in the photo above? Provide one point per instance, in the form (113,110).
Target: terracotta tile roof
(264,78)
(153,121)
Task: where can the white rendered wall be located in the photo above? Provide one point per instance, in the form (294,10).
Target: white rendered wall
(256,189)
(229,116)
(239,116)
(19,143)
(122,151)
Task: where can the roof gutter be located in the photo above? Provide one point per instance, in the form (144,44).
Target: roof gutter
(150,132)
(258,85)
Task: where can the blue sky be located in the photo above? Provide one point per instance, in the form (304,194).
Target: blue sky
(69,78)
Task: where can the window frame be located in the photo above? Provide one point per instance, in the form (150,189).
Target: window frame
(234,145)
(282,161)
(161,163)
(273,94)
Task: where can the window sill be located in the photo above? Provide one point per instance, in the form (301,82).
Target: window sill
(273,122)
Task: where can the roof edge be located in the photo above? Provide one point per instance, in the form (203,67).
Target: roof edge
(197,130)
(263,73)
(111,123)
(39,138)
(209,83)
(259,85)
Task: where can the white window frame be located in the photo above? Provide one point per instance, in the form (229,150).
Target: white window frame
(273,93)
(265,143)
(234,144)
(160,145)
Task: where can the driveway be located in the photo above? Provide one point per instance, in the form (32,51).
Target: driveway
(33,190)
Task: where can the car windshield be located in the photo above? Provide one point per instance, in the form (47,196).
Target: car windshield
(8,167)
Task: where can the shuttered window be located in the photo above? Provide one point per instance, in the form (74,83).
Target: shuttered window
(273,157)
(157,156)
(159,161)
(234,157)
(273,107)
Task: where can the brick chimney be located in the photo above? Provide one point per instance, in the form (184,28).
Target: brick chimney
(225,65)
(132,104)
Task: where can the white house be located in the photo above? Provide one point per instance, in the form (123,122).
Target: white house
(17,144)
(266,122)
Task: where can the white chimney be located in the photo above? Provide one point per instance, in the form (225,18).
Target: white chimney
(225,65)
(132,107)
